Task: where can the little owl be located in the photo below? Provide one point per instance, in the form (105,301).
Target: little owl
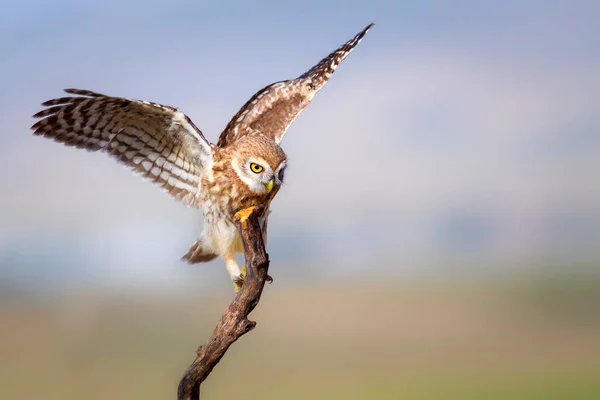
(245,168)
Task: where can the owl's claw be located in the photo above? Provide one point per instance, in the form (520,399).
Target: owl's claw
(238,281)
(237,284)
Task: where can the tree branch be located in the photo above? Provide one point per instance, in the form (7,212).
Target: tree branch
(234,322)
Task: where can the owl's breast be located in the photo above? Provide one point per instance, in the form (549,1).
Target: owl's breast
(223,194)
(221,197)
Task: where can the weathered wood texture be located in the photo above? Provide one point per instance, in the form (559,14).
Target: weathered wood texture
(234,323)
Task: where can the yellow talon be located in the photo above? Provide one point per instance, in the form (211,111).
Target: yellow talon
(239,280)
(243,215)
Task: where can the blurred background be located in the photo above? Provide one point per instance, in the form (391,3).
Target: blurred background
(438,236)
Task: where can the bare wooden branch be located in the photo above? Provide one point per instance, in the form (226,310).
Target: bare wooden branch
(234,323)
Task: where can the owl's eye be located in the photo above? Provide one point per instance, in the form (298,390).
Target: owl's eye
(257,169)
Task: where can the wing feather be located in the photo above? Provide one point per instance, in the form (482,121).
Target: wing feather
(272,109)
(158,142)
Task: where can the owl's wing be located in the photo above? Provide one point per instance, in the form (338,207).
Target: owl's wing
(159,142)
(272,109)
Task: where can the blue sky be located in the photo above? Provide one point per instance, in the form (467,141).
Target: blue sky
(450,121)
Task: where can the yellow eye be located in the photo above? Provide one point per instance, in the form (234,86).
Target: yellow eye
(257,169)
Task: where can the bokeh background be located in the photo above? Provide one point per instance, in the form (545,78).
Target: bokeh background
(438,236)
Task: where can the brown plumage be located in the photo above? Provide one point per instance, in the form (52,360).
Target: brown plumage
(245,168)
(273,108)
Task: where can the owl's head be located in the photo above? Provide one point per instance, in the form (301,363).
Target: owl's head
(259,162)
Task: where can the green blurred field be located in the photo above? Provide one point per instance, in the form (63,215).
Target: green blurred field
(514,339)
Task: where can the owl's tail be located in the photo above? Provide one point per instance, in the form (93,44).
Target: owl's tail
(199,253)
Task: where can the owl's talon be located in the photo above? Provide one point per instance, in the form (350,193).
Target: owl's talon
(238,281)
(237,284)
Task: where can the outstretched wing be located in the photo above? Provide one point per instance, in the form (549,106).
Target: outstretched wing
(159,142)
(271,110)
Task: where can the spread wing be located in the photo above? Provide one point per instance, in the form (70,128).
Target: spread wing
(271,110)
(159,142)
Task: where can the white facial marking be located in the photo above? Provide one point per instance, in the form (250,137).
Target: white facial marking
(255,181)
(280,172)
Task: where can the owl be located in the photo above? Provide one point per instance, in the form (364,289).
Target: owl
(245,168)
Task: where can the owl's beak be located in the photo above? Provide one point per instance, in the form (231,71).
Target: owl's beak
(269,185)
